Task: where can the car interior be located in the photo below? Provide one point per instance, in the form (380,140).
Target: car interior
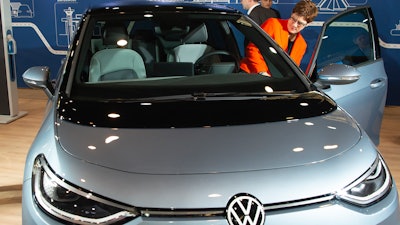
(156,50)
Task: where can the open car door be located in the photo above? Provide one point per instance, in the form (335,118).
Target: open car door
(347,65)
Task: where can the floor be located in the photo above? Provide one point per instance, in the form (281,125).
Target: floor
(16,137)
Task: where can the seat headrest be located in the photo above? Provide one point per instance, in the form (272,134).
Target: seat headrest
(199,34)
(114,32)
(175,33)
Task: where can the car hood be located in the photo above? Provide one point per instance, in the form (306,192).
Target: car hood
(220,149)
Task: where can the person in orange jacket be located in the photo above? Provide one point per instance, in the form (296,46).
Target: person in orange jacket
(287,35)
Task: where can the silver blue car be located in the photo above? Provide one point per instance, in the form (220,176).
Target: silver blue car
(151,121)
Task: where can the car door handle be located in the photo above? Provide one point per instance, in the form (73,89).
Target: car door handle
(377,83)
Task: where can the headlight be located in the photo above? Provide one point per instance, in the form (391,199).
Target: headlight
(70,203)
(370,187)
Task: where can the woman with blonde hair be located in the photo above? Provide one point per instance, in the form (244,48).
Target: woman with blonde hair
(286,32)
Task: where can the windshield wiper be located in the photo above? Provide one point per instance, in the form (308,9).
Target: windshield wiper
(241,94)
(203,96)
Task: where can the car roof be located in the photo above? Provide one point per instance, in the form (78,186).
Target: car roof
(141,6)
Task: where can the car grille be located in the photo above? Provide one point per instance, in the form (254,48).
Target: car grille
(221,211)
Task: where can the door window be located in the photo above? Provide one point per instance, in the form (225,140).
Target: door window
(347,40)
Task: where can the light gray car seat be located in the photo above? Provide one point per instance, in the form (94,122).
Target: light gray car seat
(115,62)
(193,46)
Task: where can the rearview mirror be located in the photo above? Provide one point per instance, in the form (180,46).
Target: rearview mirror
(38,77)
(338,74)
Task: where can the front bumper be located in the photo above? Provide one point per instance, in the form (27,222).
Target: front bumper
(385,212)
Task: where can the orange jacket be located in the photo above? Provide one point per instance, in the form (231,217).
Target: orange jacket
(253,62)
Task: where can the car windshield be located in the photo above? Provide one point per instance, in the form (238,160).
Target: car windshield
(167,54)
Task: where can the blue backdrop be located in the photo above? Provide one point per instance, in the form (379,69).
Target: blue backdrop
(43,30)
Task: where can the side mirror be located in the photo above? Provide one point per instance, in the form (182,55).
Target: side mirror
(338,74)
(38,77)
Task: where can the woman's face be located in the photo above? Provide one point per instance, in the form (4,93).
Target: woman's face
(296,23)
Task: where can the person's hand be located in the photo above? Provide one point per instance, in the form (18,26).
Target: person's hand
(265,74)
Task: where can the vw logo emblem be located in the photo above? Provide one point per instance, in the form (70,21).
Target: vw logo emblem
(244,209)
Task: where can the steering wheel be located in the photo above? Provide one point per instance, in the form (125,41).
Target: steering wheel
(203,65)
